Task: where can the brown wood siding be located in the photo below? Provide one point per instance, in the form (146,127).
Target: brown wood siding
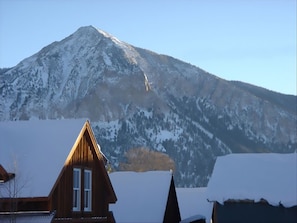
(84,157)
(24,204)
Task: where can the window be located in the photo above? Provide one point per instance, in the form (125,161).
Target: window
(76,189)
(87,190)
(82,184)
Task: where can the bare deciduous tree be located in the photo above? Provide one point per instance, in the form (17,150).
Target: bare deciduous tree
(12,188)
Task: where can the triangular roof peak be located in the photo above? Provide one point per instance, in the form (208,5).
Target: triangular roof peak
(86,127)
(95,148)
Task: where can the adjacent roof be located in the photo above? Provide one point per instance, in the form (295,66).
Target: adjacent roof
(193,204)
(270,176)
(142,197)
(36,151)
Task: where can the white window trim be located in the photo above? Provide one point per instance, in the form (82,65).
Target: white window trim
(89,190)
(77,208)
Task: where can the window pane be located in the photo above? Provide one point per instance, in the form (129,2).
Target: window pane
(75,198)
(87,199)
(87,180)
(76,178)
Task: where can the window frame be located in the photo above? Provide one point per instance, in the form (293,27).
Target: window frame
(76,191)
(87,191)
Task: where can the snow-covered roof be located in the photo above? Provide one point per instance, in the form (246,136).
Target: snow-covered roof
(270,176)
(193,203)
(142,196)
(36,151)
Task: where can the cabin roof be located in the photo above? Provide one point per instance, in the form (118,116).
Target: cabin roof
(255,177)
(193,203)
(142,196)
(36,151)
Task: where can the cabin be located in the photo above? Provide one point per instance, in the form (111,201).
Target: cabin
(53,171)
(145,197)
(254,188)
(193,205)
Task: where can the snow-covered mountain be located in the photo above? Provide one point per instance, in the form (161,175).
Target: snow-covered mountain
(135,97)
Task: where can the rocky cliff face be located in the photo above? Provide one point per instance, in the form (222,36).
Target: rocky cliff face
(135,97)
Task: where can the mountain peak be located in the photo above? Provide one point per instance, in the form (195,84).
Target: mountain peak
(86,30)
(92,31)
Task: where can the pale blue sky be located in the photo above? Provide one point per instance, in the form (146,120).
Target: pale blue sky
(248,40)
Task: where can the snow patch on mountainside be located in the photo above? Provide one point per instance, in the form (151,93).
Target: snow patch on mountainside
(112,38)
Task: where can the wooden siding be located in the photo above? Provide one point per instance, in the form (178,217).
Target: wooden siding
(24,204)
(84,157)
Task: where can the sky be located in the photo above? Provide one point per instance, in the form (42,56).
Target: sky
(253,41)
